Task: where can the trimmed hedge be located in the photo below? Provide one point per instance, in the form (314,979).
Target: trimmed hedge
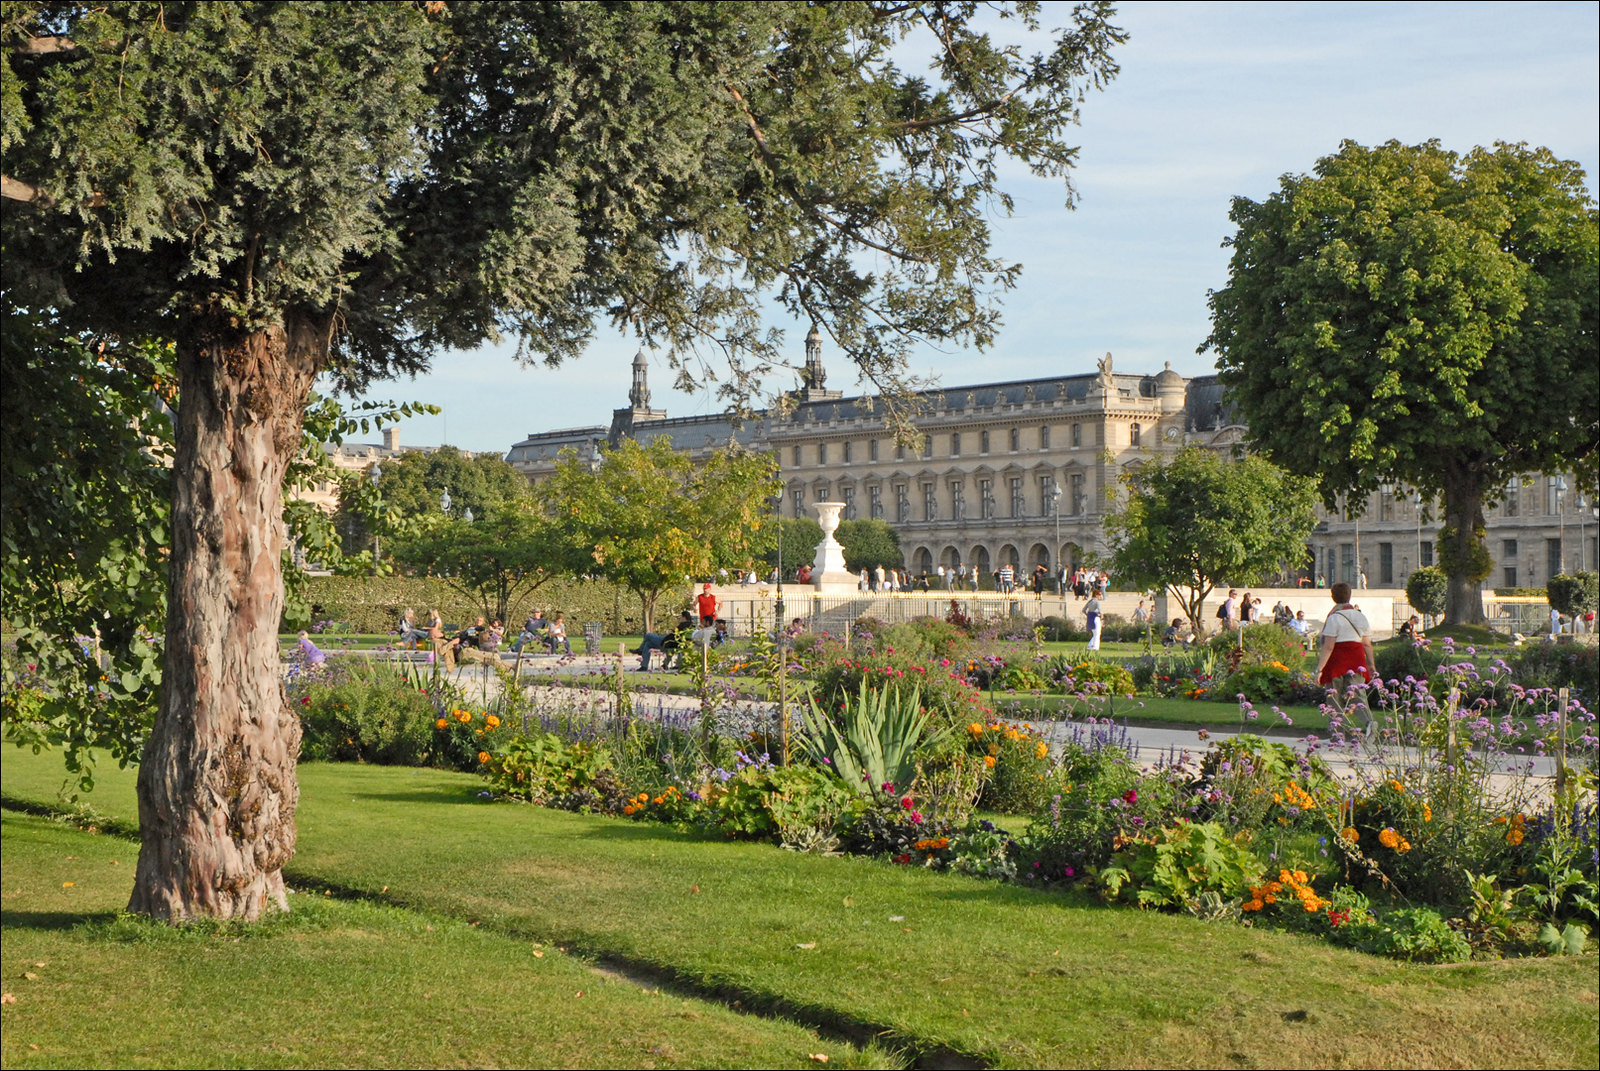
(373,604)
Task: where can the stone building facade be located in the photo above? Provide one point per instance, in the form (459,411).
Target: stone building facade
(1542,527)
(1024,472)
(1019,473)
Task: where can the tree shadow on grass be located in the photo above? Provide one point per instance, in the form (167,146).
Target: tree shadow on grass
(52,920)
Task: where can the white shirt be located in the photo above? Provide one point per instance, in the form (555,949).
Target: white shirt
(1347,625)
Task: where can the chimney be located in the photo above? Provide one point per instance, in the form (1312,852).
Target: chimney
(391,439)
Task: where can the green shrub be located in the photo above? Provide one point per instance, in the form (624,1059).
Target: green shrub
(544,768)
(1091,676)
(1180,864)
(1270,683)
(1017,763)
(1427,589)
(1574,594)
(1060,630)
(1400,658)
(1560,665)
(357,711)
(1419,934)
(1259,645)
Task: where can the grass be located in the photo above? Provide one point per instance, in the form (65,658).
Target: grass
(1009,975)
(334,984)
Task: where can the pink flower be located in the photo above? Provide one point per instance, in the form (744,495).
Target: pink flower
(1130,796)
(905,801)
(888,786)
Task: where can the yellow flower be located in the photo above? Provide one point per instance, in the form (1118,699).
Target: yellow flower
(643,797)
(1041,749)
(1397,786)
(988,761)
(483,757)
(463,717)
(1427,813)
(440,724)
(494,722)
(975,729)
(1349,834)
(1514,836)
(1389,838)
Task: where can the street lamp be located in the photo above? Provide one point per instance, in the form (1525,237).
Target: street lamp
(1416,512)
(1055,551)
(444,501)
(1561,525)
(375,474)
(466,514)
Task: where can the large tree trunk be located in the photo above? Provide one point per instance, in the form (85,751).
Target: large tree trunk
(1462,553)
(217,787)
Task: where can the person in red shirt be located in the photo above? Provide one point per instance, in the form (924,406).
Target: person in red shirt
(706,603)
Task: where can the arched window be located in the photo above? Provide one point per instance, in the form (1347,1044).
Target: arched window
(1077,435)
(1016,440)
(1044,436)
(955,444)
(983,442)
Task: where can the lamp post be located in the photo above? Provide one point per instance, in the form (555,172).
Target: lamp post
(375,474)
(466,515)
(1561,524)
(1055,550)
(1416,513)
(444,502)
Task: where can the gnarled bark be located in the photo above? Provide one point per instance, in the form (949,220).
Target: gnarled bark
(217,786)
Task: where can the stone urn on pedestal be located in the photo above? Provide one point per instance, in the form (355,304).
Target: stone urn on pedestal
(827,568)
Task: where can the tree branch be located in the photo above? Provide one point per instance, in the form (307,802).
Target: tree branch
(42,46)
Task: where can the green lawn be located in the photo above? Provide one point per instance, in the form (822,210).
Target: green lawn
(1005,974)
(337,983)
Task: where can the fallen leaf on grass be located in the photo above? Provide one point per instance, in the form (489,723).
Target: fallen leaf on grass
(30,976)
(580,992)
(849,901)
(694,888)
(897,918)
(808,944)
(8,998)
(819,1057)
(538,955)
(68,884)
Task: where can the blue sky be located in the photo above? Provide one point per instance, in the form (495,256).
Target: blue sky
(1214,100)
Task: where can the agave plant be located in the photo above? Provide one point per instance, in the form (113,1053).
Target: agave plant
(872,741)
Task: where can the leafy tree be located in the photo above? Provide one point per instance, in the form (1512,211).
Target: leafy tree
(84,456)
(286,189)
(1427,589)
(1199,520)
(1414,315)
(498,561)
(868,544)
(1574,594)
(412,484)
(799,537)
(652,519)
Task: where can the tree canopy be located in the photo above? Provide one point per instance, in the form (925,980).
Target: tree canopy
(1410,314)
(286,189)
(651,519)
(1200,519)
(498,560)
(869,543)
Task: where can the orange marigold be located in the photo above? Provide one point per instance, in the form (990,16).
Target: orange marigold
(1389,838)
(483,757)
(440,724)
(988,761)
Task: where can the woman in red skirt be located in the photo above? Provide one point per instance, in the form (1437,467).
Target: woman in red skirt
(1346,646)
